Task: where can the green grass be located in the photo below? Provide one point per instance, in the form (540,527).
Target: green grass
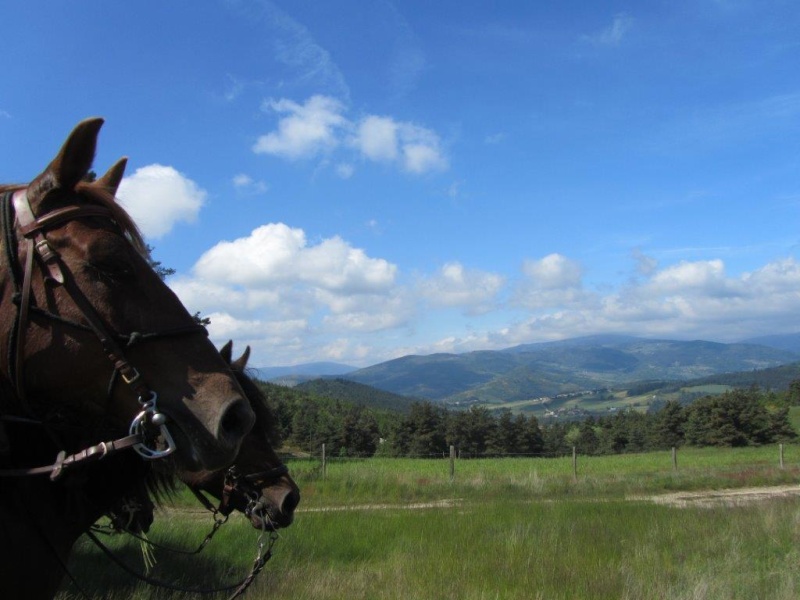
(521,529)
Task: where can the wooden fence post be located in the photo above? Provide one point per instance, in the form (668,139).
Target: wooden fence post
(324,463)
(674,458)
(452,462)
(575,464)
(781,455)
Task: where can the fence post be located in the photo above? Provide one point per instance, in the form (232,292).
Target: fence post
(781,455)
(674,458)
(324,463)
(452,462)
(575,464)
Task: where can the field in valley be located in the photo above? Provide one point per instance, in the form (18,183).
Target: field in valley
(627,527)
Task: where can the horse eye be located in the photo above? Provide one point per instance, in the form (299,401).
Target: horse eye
(118,270)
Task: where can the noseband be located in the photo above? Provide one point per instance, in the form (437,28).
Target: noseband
(149,426)
(241,492)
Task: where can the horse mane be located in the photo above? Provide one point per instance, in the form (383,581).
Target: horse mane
(265,416)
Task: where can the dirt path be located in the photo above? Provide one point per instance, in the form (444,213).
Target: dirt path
(702,498)
(733,497)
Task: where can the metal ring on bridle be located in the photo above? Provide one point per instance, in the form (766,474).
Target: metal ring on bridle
(151,417)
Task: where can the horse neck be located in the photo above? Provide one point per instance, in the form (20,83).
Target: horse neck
(82,495)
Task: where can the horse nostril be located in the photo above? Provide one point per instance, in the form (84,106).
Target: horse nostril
(237,420)
(290,502)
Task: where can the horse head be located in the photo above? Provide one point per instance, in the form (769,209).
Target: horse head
(88,329)
(258,484)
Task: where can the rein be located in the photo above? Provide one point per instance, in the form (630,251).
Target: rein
(87,455)
(235,484)
(263,555)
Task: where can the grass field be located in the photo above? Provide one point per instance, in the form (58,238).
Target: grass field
(511,528)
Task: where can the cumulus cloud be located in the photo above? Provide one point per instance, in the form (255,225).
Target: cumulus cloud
(275,286)
(158,197)
(416,149)
(320,127)
(688,299)
(299,300)
(377,138)
(455,286)
(276,253)
(306,129)
(554,271)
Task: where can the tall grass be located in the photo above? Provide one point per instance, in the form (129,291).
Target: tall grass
(520,529)
(418,480)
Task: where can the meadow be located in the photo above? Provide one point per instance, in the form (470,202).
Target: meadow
(516,528)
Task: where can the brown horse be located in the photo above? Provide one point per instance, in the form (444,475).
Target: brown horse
(268,495)
(76,292)
(257,484)
(47,517)
(75,287)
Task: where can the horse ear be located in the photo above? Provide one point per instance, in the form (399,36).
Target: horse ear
(72,163)
(226,351)
(113,177)
(240,363)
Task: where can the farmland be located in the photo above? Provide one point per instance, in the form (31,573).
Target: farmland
(501,528)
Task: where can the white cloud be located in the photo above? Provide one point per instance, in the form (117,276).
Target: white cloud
(377,138)
(247,185)
(689,299)
(276,253)
(306,130)
(158,197)
(383,139)
(554,271)
(297,301)
(706,276)
(455,286)
(320,127)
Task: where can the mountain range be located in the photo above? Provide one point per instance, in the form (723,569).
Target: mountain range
(548,369)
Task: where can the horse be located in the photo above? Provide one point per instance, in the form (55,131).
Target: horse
(49,516)
(257,484)
(75,286)
(88,329)
(267,494)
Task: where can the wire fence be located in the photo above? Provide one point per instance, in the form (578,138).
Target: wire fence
(779,457)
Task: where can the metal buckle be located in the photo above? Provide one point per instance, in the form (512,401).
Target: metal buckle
(132,378)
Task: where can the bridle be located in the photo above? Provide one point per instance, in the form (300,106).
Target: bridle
(242,492)
(148,433)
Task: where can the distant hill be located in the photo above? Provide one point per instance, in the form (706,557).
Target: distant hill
(547,369)
(775,379)
(788,341)
(356,393)
(303,372)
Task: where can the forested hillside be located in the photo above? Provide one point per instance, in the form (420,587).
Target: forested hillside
(736,418)
(357,393)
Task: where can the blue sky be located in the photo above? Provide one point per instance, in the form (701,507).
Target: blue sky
(356,181)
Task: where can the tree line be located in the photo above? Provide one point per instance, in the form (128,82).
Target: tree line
(741,417)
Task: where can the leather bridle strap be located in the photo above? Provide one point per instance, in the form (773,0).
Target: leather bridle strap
(232,489)
(87,455)
(33,229)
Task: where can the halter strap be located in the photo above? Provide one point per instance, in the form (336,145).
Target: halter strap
(33,230)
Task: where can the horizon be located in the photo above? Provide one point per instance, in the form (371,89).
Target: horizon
(344,183)
(752,341)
